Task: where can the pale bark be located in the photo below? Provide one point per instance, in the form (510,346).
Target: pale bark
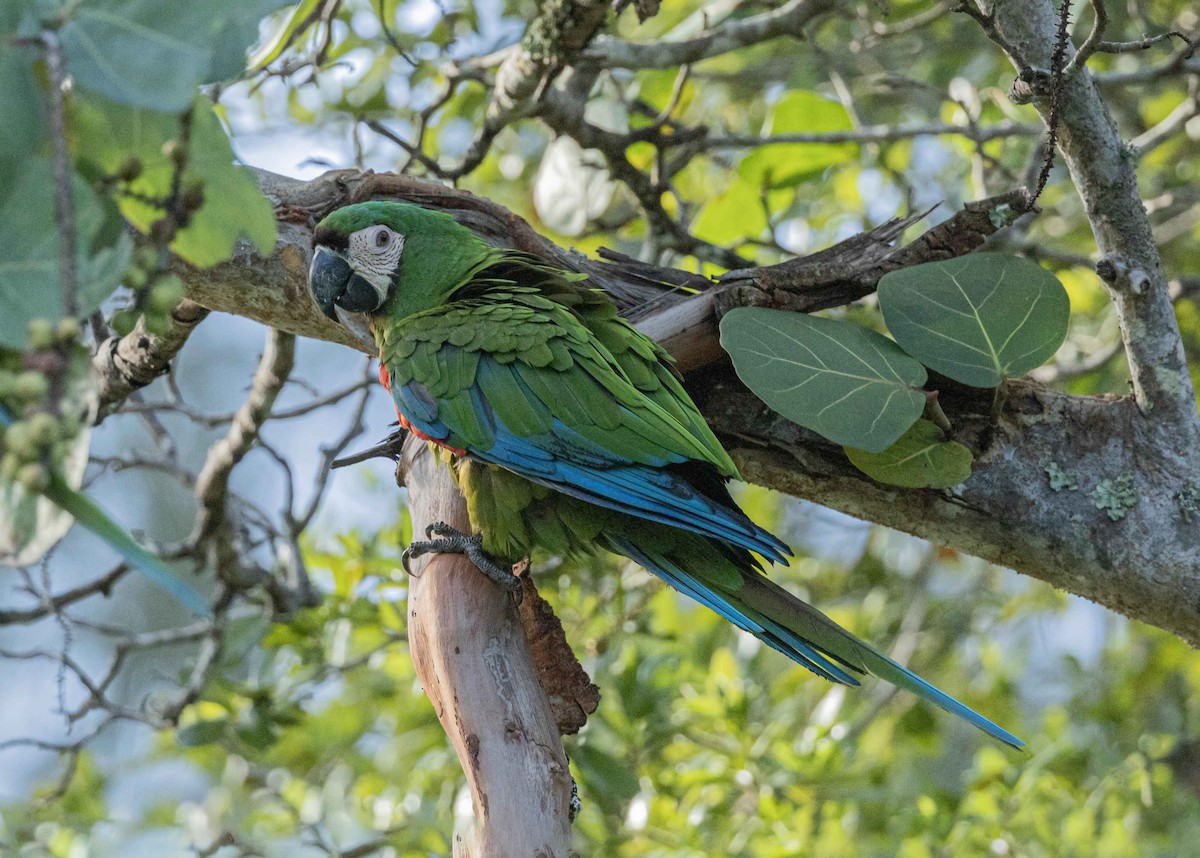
(474,662)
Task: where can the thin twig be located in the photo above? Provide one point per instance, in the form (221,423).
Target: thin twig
(1057,74)
(53,604)
(1094,39)
(1149,42)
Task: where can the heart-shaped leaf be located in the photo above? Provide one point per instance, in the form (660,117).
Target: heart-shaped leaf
(850,384)
(979,318)
(920,459)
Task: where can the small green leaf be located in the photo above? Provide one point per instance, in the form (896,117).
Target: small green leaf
(850,384)
(784,165)
(236,30)
(269,50)
(920,459)
(202,732)
(978,318)
(734,215)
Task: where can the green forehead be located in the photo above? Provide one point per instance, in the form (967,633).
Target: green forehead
(402,217)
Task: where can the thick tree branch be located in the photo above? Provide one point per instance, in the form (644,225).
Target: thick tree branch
(1085,493)
(124,364)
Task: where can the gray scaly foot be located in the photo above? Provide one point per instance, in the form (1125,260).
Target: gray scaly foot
(456,542)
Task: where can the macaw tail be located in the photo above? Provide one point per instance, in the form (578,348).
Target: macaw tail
(731,584)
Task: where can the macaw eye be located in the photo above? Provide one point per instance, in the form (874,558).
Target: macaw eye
(383,237)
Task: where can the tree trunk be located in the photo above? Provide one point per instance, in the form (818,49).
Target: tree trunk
(472,656)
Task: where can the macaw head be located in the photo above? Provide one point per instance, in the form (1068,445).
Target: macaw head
(385,258)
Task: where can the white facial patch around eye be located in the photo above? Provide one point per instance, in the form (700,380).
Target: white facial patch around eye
(375,254)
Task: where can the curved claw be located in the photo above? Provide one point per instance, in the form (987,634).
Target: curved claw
(406,562)
(443,529)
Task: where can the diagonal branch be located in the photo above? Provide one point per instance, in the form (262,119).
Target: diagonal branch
(551,42)
(1105,176)
(213,525)
(125,364)
(789,19)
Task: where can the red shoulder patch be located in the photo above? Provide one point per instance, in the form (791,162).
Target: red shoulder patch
(386,381)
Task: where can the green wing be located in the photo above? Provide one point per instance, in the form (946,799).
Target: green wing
(520,381)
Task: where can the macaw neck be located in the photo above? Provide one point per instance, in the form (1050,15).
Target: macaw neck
(430,276)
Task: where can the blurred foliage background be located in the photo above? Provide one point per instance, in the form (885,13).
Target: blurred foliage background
(305,733)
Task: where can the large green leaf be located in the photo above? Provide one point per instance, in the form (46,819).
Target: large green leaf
(29,267)
(849,383)
(21,104)
(920,459)
(16,16)
(152,54)
(978,318)
(782,165)
(233,205)
(142,52)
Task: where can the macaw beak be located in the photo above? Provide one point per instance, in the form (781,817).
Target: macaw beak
(328,278)
(335,284)
(340,293)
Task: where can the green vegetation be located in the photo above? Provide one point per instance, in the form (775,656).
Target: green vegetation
(291,721)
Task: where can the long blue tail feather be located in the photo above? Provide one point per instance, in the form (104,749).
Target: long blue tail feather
(799,631)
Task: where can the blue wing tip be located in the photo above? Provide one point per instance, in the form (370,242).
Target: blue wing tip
(954,707)
(999,733)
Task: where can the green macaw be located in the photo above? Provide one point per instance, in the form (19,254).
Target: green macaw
(564,427)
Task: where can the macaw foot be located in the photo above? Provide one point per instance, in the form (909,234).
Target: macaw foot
(455,542)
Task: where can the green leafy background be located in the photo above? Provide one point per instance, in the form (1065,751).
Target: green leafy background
(313,731)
